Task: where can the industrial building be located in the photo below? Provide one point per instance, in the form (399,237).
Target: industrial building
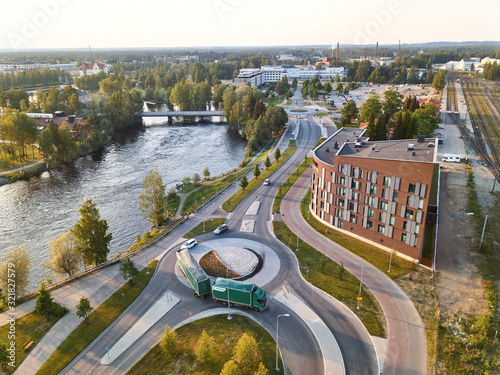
(378,192)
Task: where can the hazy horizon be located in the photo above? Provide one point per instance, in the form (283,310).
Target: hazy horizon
(69,24)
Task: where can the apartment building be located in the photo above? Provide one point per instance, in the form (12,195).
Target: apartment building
(375,191)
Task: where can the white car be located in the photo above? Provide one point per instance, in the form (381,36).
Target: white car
(266,182)
(189,244)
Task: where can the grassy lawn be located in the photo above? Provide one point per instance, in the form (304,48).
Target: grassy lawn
(274,101)
(326,277)
(210,225)
(434,188)
(298,110)
(236,199)
(323,114)
(225,334)
(100,319)
(172,204)
(7,163)
(196,197)
(377,257)
(189,187)
(288,184)
(30,327)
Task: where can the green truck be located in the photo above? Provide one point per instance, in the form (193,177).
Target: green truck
(194,273)
(238,293)
(243,294)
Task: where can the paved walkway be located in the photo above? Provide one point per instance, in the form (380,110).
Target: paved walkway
(407,345)
(332,356)
(22,168)
(155,313)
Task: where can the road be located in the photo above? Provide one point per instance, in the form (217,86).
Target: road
(299,348)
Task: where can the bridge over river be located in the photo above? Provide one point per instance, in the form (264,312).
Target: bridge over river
(169,114)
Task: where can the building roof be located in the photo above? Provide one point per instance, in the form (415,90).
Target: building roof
(403,150)
(327,150)
(352,142)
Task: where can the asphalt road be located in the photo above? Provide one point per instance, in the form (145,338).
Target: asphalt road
(300,350)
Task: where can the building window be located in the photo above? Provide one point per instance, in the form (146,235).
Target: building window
(373,190)
(391,220)
(342,192)
(403,237)
(383,206)
(383,193)
(353,219)
(371,201)
(340,224)
(409,214)
(369,224)
(381,229)
(355,185)
(415,242)
(370,212)
(368,175)
(411,188)
(395,197)
(381,216)
(341,181)
(421,204)
(340,213)
(351,206)
(387,181)
(340,202)
(405,223)
(417,229)
(355,196)
(408,200)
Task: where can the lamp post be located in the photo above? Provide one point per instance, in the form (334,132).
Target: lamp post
(147,263)
(361,281)
(277,338)
(228,301)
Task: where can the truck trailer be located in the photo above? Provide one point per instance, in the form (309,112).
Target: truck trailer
(239,293)
(224,290)
(194,273)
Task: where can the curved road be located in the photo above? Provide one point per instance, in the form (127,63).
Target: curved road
(299,348)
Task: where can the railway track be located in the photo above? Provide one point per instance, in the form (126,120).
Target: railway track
(483,125)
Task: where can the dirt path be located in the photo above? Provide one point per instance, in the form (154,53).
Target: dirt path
(458,282)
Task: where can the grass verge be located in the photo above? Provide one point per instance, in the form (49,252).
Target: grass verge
(100,319)
(31,327)
(237,198)
(225,334)
(210,225)
(324,274)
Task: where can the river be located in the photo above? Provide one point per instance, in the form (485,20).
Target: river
(36,210)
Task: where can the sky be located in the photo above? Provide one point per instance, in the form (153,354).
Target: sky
(33,24)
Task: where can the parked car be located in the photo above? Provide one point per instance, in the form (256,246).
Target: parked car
(189,244)
(266,182)
(220,229)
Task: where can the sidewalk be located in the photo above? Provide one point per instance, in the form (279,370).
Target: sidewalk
(22,168)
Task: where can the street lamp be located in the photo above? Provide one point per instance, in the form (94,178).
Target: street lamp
(361,281)
(228,301)
(147,263)
(277,338)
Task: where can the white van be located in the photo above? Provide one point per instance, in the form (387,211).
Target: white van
(451,158)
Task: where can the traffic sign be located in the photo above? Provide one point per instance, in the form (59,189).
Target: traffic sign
(360,298)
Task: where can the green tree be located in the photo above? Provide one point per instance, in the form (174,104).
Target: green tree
(228,100)
(183,95)
(259,110)
(294,83)
(168,341)
(277,154)
(340,87)
(206,172)
(16,266)
(244,182)
(92,235)
(439,82)
(246,353)
(152,198)
(83,309)
(328,87)
(267,162)
(275,118)
(256,171)
(64,255)
(393,101)
(262,370)
(44,304)
(230,368)
(196,179)
(204,349)
(341,270)
(322,261)
(129,270)
(372,108)
(348,112)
